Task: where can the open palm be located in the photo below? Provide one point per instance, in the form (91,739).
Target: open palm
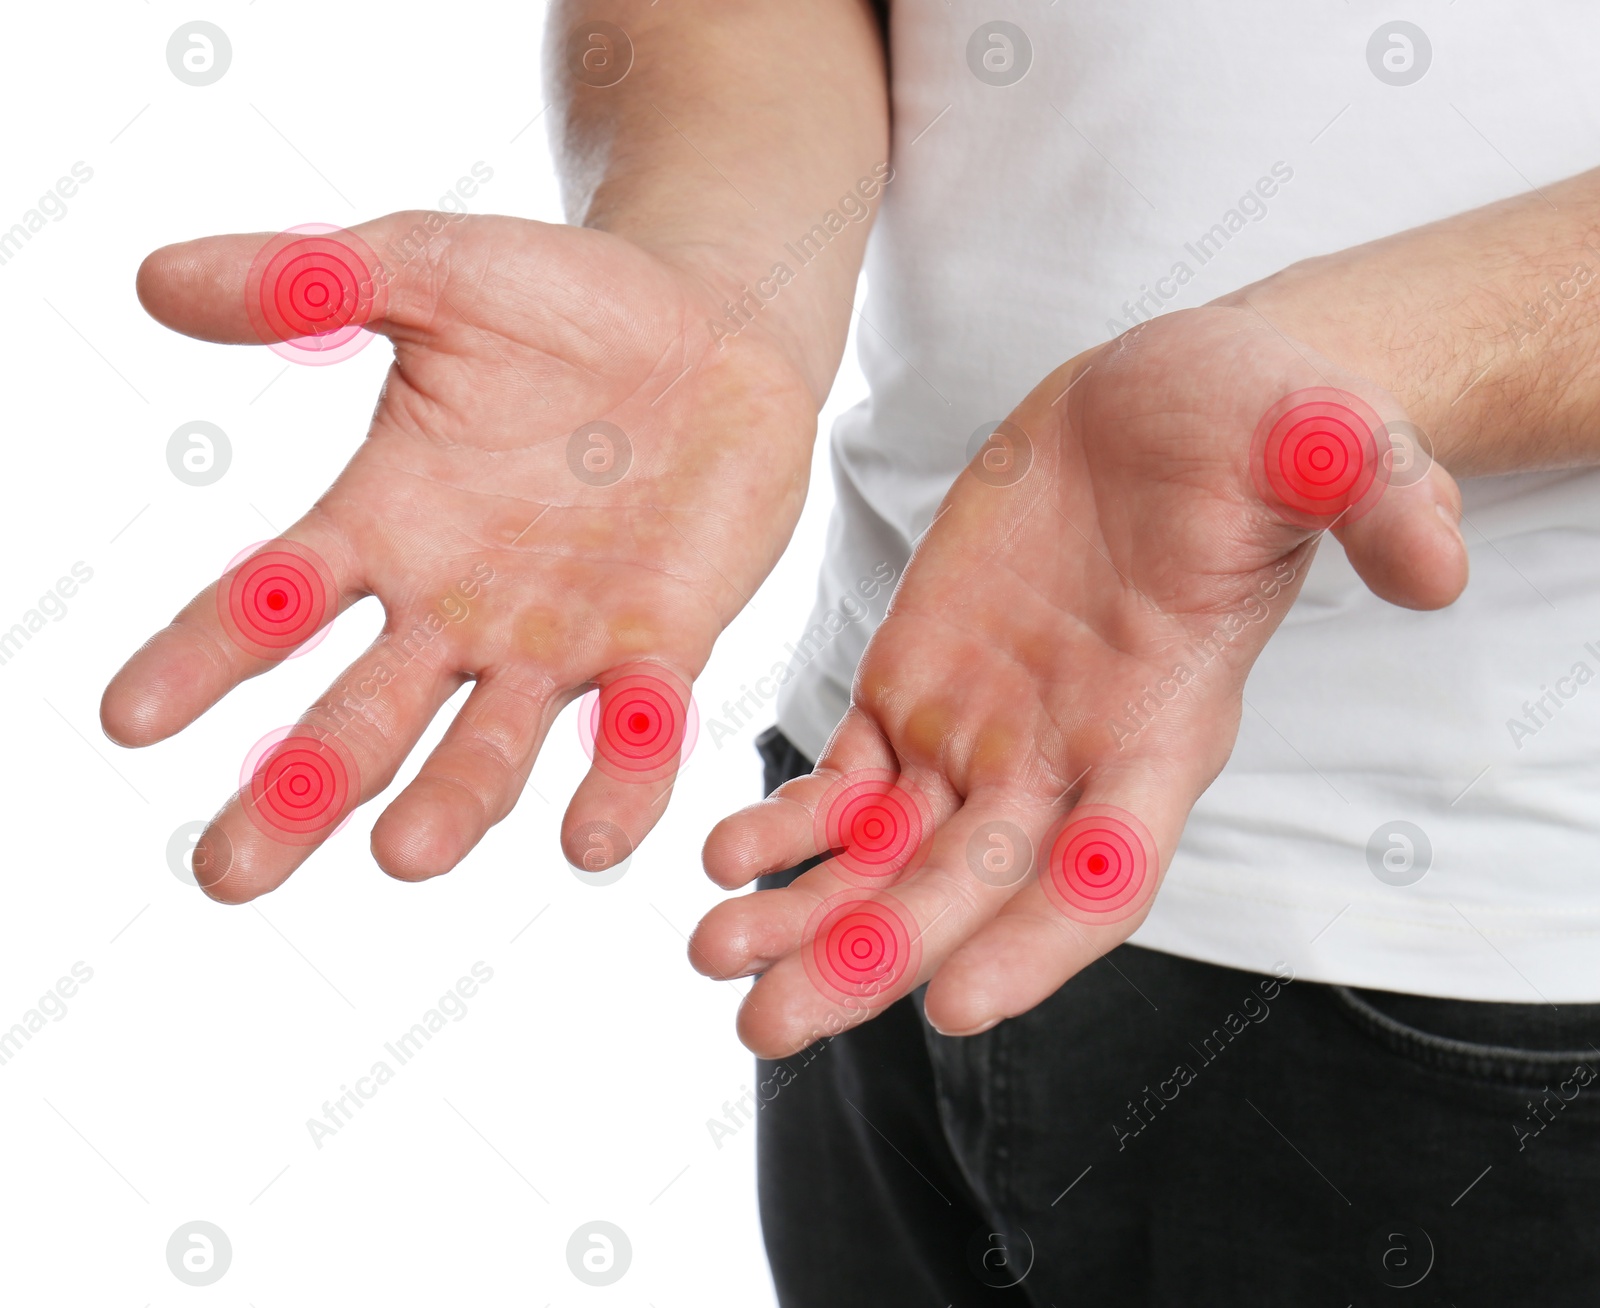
(1060,675)
(561,487)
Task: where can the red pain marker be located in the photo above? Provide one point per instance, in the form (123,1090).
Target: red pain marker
(1102,861)
(312,290)
(876,823)
(276,599)
(640,726)
(1316,455)
(301,787)
(860,948)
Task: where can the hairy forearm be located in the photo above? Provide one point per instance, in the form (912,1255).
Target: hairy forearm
(1486,326)
(736,129)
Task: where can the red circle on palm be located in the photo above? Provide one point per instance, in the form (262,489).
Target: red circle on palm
(1100,863)
(641,726)
(1316,455)
(860,948)
(302,787)
(275,600)
(874,822)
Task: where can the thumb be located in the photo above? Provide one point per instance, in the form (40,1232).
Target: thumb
(309,282)
(1409,549)
(1325,458)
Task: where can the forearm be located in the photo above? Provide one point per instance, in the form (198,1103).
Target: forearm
(1486,326)
(737,129)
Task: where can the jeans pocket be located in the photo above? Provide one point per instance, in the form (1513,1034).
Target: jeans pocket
(1506,1044)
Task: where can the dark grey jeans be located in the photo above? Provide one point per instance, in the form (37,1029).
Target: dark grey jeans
(1165,1132)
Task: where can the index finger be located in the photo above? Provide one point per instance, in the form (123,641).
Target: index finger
(252,618)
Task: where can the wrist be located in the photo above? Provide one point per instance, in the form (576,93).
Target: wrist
(1496,365)
(783,278)
(748,299)
(1342,312)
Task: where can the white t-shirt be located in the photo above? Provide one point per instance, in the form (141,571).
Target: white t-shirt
(1152,157)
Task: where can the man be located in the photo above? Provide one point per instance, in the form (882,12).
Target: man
(1350,1057)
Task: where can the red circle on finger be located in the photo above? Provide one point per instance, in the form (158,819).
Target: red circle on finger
(277,606)
(311,291)
(875,823)
(860,948)
(1101,864)
(640,726)
(301,787)
(276,600)
(1316,454)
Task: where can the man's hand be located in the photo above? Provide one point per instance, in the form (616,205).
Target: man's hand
(1060,675)
(499,537)
(486,509)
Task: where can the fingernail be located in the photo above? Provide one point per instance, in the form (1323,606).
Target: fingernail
(969,1031)
(1450,520)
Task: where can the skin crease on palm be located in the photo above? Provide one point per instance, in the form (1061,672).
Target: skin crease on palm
(508,335)
(1029,615)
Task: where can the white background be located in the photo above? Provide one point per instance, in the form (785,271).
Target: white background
(178,1084)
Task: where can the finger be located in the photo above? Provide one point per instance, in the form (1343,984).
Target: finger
(977,988)
(471,781)
(877,823)
(346,749)
(780,831)
(850,951)
(257,287)
(744,936)
(879,827)
(769,836)
(251,619)
(1097,872)
(1409,549)
(798,1001)
(638,728)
